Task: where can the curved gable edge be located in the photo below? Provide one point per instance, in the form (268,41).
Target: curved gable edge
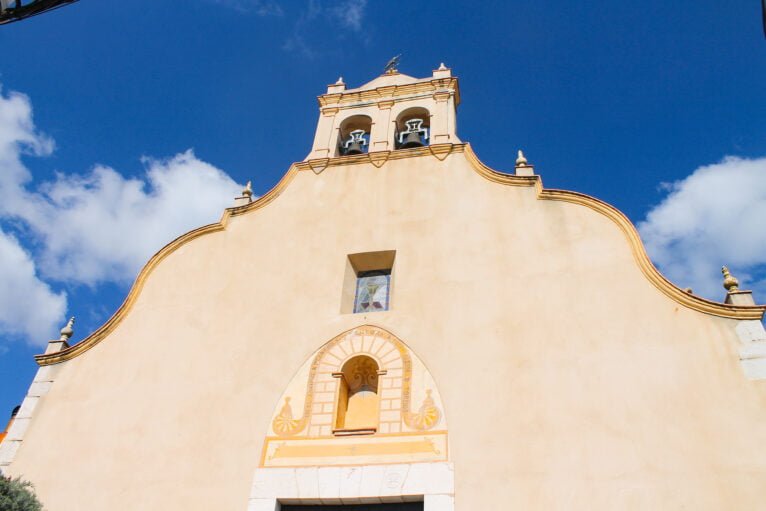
(742,312)
(440,151)
(101,332)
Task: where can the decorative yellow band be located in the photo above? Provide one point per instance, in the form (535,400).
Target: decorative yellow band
(378,449)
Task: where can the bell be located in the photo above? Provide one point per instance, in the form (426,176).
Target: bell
(411,140)
(355,147)
(355,142)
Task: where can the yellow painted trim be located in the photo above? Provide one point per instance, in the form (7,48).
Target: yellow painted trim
(636,244)
(371,440)
(436,432)
(358,449)
(379,158)
(440,151)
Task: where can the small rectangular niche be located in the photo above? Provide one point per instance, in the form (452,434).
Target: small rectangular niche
(367,282)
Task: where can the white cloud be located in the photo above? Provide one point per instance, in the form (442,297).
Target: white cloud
(28,307)
(297,40)
(17,137)
(350,13)
(89,228)
(713,217)
(102,226)
(317,22)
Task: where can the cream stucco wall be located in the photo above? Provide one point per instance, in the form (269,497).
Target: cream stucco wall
(568,379)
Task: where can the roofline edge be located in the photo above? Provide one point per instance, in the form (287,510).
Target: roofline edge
(742,312)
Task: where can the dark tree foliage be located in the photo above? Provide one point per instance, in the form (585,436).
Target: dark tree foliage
(17,495)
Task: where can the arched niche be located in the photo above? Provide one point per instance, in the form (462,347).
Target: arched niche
(354,135)
(357,406)
(361,388)
(412,124)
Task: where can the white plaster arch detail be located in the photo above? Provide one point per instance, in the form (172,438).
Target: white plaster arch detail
(409,398)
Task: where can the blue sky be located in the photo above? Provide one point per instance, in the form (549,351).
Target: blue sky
(124,124)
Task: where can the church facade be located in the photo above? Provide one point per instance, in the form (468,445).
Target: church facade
(396,326)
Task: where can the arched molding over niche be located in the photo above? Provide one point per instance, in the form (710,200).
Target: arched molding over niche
(401,401)
(404,111)
(344,114)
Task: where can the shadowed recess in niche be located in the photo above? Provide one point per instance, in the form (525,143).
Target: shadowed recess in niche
(358,401)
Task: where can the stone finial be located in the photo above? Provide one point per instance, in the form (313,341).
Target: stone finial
(730,282)
(442,71)
(523,168)
(338,87)
(246,197)
(67,331)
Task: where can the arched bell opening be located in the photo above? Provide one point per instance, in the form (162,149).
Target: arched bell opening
(412,128)
(354,135)
(358,403)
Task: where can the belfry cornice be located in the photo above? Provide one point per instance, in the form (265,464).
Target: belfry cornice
(441,152)
(437,85)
